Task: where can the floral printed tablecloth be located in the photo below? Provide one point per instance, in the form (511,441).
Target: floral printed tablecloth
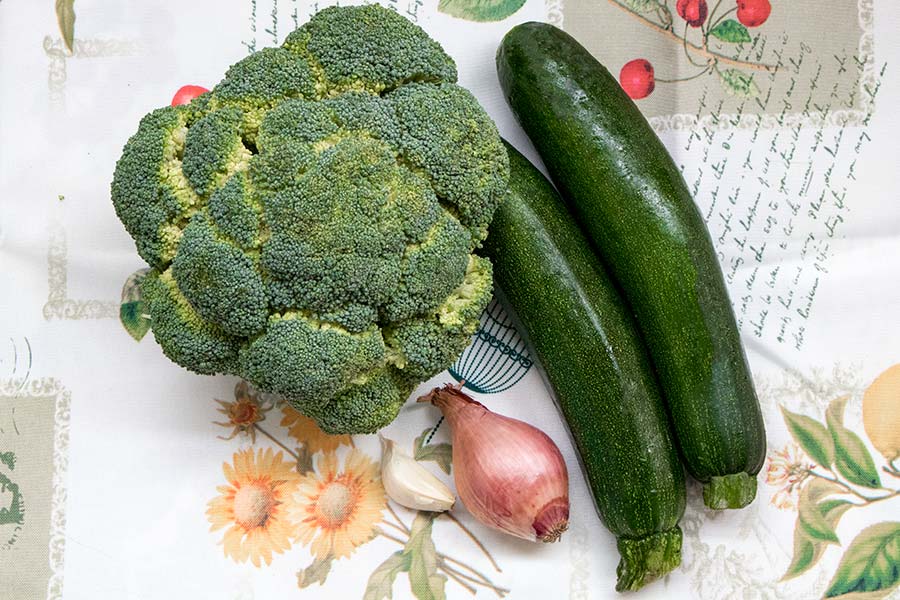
(124,476)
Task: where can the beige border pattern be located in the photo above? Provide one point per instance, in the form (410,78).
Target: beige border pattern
(56,52)
(59,305)
(554,12)
(52,388)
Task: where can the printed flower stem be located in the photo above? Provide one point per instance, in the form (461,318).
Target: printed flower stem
(478,578)
(850,490)
(397,518)
(474,539)
(401,526)
(693,47)
(501,592)
(271,437)
(452,574)
(394,526)
(891,469)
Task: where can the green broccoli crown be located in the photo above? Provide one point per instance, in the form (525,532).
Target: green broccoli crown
(312,221)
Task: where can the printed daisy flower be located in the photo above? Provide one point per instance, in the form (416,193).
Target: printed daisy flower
(246,411)
(304,430)
(337,511)
(254,505)
(787,470)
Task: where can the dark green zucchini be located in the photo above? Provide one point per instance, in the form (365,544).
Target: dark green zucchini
(629,196)
(590,349)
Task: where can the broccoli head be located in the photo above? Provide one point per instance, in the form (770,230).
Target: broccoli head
(312,222)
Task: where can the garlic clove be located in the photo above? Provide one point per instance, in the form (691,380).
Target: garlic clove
(410,484)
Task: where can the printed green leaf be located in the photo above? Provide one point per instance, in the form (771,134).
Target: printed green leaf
(132,312)
(852,458)
(808,551)
(834,509)
(480,10)
(65,16)
(731,31)
(424,580)
(870,564)
(132,316)
(381,581)
(442,453)
(738,83)
(810,517)
(317,572)
(812,436)
(641,6)
(8,459)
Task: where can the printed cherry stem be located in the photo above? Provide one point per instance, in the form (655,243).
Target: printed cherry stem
(700,74)
(701,50)
(712,15)
(474,539)
(686,53)
(722,18)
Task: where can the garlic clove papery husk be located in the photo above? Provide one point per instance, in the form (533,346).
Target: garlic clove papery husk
(410,484)
(509,474)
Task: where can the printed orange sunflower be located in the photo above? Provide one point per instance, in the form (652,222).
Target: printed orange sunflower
(304,430)
(254,506)
(338,511)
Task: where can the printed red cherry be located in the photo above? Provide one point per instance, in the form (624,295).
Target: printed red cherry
(187,93)
(753,13)
(636,78)
(692,11)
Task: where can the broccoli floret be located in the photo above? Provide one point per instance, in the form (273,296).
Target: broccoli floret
(364,408)
(448,136)
(422,346)
(261,81)
(431,269)
(236,212)
(312,220)
(219,281)
(326,246)
(369,48)
(185,337)
(214,150)
(149,191)
(266,77)
(323,357)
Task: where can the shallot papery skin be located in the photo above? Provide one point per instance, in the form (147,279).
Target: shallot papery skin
(508,474)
